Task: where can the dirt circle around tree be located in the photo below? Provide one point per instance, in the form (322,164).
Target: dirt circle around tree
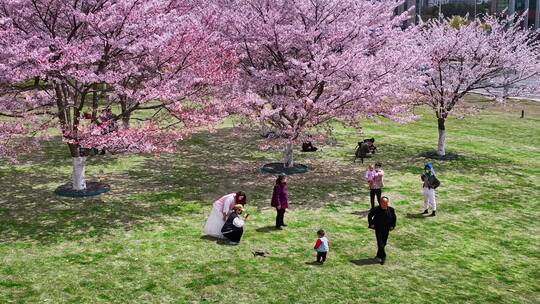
(92,189)
(279,168)
(446,157)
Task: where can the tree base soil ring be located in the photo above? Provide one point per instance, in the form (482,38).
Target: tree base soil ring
(434,155)
(279,168)
(92,189)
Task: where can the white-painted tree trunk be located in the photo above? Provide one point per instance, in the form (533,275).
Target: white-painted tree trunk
(442,143)
(77,178)
(442,136)
(288,155)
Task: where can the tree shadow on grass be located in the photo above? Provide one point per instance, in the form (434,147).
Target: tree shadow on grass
(364,262)
(151,190)
(30,211)
(447,157)
(210,165)
(207,166)
(411,159)
(54,152)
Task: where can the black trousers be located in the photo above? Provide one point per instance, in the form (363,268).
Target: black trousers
(372,193)
(321,256)
(382,237)
(279,217)
(235,235)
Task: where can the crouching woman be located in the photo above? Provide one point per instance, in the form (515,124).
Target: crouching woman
(234,225)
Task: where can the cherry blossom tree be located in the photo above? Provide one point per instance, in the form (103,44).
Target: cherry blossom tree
(304,63)
(125,76)
(461,57)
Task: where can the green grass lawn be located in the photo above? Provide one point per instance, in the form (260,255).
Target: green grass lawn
(142,242)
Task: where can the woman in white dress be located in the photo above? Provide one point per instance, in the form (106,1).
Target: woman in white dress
(220,211)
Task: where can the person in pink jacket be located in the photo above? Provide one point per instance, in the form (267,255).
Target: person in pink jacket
(280,200)
(375,178)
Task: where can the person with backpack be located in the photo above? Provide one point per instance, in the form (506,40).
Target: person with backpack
(371,145)
(362,151)
(430,183)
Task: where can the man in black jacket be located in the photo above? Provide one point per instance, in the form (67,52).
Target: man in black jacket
(383,219)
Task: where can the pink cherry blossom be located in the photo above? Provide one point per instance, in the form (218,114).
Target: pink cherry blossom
(482,54)
(144,73)
(304,63)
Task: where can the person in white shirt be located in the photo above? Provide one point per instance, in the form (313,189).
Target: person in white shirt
(234,225)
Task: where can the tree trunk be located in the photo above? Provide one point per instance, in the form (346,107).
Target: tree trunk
(95,103)
(77,179)
(288,156)
(442,137)
(125,114)
(125,121)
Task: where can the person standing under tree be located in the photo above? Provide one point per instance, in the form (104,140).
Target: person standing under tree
(280,199)
(383,219)
(370,174)
(430,183)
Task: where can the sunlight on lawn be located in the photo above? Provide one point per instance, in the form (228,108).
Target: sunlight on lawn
(143,241)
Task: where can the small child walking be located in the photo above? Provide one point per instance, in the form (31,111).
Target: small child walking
(321,246)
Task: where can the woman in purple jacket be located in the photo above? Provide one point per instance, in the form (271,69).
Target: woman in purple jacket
(280,199)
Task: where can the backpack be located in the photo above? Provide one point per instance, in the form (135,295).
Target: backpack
(362,150)
(434,182)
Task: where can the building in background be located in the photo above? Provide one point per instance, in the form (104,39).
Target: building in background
(532,19)
(427,9)
(431,3)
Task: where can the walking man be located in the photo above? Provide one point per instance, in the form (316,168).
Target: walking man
(383,219)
